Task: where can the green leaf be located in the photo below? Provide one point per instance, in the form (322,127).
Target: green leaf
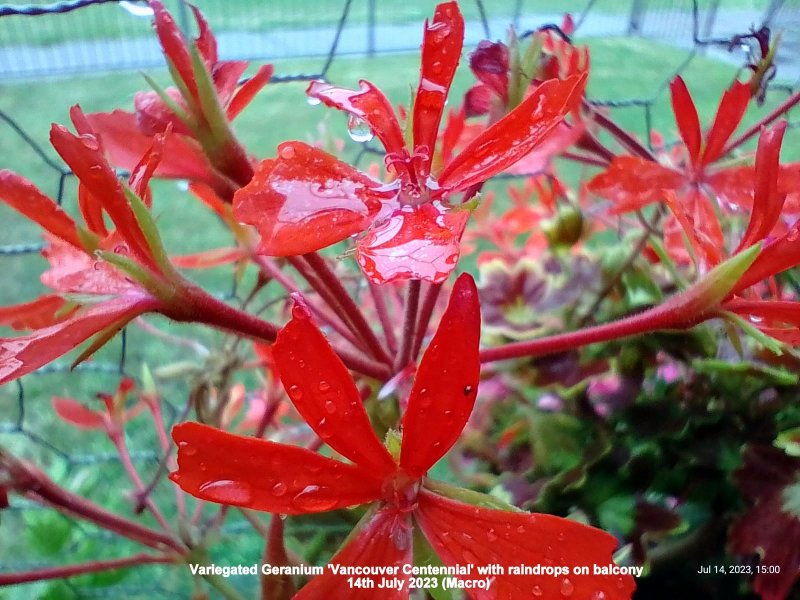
(47,532)
(618,514)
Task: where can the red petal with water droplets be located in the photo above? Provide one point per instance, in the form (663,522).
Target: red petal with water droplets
(554,143)
(415,242)
(699,221)
(324,393)
(464,534)
(22,355)
(382,538)
(174,45)
(779,319)
(24,197)
(776,257)
(76,414)
(729,114)
(73,271)
(446,383)
(686,118)
(732,188)
(367,103)
(767,201)
(441,51)
(84,156)
(632,183)
(154,116)
(205,40)
(35,314)
(247,92)
(513,136)
(245,471)
(141,174)
(126,144)
(306,200)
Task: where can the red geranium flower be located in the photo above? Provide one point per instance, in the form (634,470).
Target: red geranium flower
(263,475)
(199,110)
(305,199)
(692,187)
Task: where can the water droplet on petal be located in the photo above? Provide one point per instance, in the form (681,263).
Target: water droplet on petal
(186,449)
(330,407)
(358,129)
(324,386)
(227,491)
(756,319)
(310,500)
(566,587)
(439,30)
(537,591)
(295,393)
(793,234)
(323,429)
(279,489)
(286,152)
(491,536)
(312,101)
(599,596)
(90,141)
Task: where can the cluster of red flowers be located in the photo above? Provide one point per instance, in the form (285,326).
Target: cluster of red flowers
(410,225)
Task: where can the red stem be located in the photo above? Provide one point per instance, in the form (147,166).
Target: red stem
(754,129)
(349,307)
(622,136)
(657,318)
(379,300)
(428,304)
(409,325)
(82,568)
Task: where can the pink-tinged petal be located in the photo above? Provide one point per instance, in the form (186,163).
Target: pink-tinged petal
(632,183)
(368,104)
(42,312)
(770,481)
(729,114)
(208,258)
(477,101)
(446,383)
(153,116)
(174,45)
(245,471)
(92,211)
(73,271)
(139,179)
(489,63)
(383,538)
(126,144)
(554,143)
(686,118)
(324,393)
(77,415)
(414,242)
(464,534)
(306,200)
(699,221)
(85,157)
(247,92)
(226,77)
(24,197)
(767,200)
(441,51)
(513,136)
(22,355)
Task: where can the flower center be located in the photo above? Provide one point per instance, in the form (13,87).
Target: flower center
(400,491)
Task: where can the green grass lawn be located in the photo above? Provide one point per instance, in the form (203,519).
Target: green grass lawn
(621,69)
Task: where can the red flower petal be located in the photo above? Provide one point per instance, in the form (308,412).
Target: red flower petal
(139,179)
(324,393)
(686,118)
(245,471)
(631,183)
(305,200)
(126,144)
(513,136)
(247,92)
(767,201)
(731,109)
(368,104)
(489,63)
(477,101)
(699,221)
(19,356)
(415,242)
(154,116)
(76,414)
(205,40)
(381,539)
(464,534)
(441,51)
(779,319)
(776,257)
(174,45)
(208,258)
(24,197)
(35,314)
(446,383)
(732,188)
(84,156)
(73,271)
(226,77)
(554,143)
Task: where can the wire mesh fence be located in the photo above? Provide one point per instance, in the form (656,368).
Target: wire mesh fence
(90,35)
